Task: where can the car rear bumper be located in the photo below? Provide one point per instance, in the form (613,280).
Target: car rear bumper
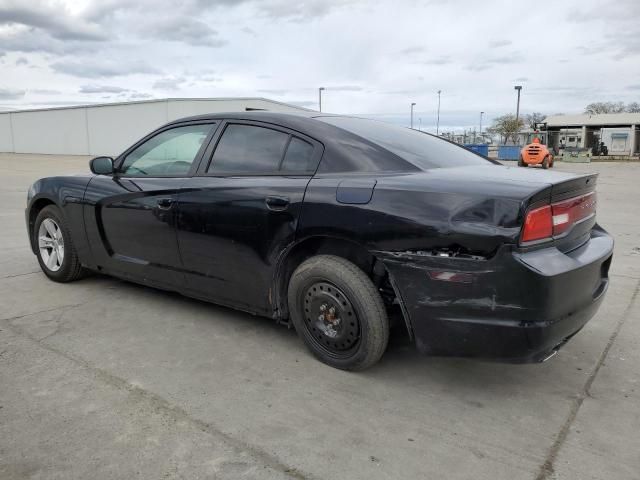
(517,307)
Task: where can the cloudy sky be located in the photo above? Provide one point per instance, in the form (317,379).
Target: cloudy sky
(373,57)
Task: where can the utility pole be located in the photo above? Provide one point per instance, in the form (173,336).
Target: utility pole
(481,114)
(320,98)
(438,120)
(412,105)
(518,88)
(420,124)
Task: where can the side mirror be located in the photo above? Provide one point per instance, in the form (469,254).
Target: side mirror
(101,165)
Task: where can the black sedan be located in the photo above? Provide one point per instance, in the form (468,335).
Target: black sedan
(335,225)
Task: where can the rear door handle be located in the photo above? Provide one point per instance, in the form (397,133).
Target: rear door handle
(165,203)
(277,203)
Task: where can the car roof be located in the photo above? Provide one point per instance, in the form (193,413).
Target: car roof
(305,122)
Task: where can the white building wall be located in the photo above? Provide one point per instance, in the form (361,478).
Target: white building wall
(50,131)
(113,128)
(617,140)
(108,129)
(6,137)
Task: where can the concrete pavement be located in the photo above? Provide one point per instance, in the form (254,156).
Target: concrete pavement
(105,379)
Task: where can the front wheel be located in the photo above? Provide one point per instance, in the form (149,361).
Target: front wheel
(521,162)
(338,312)
(55,250)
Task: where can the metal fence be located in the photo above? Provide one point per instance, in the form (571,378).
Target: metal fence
(481,148)
(509,152)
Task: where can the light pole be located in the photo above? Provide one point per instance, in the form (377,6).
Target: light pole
(412,105)
(320,98)
(420,124)
(438,119)
(481,114)
(518,88)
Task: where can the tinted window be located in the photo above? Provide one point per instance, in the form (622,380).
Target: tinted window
(299,157)
(421,149)
(248,149)
(169,153)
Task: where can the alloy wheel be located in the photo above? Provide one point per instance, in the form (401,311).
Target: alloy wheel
(51,244)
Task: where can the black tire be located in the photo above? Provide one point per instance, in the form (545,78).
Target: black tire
(358,306)
(521,162)
(545,162)
(70,269)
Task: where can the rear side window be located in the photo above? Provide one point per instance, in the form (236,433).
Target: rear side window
(248,149)
(299,157)
(423,150)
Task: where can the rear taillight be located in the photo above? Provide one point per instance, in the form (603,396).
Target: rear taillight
(538,224)
(554,220)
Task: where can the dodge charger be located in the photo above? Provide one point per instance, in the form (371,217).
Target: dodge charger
(337,226)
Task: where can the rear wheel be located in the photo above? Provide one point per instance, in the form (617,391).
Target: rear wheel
(338,312)
(545,162)
(521,162)
(55,251)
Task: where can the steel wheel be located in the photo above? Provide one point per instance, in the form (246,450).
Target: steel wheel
(51,244)
(331,319)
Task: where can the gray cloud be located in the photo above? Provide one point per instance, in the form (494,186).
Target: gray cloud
(345,88)
(101,68)
(101,89)
(273,91)
(442,60)
(22,61)
(168,83)
(50,19)
(45,91)
(521,79)
(140,96)
(499,43)
(412,50)
(184,29)
(491,62)
(11,94)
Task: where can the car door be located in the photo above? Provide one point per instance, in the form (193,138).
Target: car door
(130,215)
(241,211)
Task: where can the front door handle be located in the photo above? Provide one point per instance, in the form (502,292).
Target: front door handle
(277,203)
(165,203)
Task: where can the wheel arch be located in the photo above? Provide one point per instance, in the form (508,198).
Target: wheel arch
(350,250)
(35,208)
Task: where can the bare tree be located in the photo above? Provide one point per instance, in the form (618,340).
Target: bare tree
(604,107)
(533,118)
(633,107)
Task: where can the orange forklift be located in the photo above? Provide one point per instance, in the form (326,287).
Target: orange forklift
(535,153)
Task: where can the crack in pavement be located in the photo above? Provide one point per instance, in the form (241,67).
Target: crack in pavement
(20,274)
(547,468)
(178,413)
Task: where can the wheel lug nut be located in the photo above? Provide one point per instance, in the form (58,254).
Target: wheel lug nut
(321,318)
(332,310)
(323,307)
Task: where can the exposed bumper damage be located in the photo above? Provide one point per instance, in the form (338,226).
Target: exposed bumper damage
(514,306)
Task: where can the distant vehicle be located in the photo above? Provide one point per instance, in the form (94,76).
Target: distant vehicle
(335,225)
(535,154)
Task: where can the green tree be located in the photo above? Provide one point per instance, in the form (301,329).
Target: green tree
(506,127)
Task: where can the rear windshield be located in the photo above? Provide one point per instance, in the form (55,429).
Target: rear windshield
(423,150)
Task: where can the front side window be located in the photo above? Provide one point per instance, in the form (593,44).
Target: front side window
(168,153)
(249,149)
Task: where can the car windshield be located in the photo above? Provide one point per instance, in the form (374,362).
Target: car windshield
(423,150)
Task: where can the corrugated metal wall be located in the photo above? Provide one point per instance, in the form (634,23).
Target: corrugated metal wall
(107,129)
